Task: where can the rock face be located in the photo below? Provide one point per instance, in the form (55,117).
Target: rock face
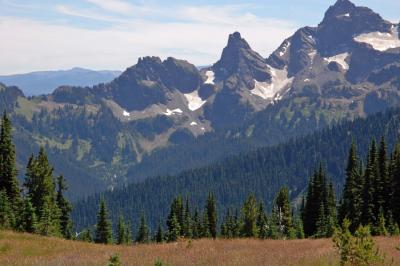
(239,59)
(150,81)
(347,66)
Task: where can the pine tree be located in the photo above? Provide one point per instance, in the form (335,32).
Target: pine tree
(331,211)
(196,228)
(273,227)
(103,227)
(384,182)
(143,235)
(311,208)
(159,237)
(319,214)
(283,211)
(250,213)
(205,226)
(321,224)
(41,188)
(211,211)
(8,168)
(7,219)
(262,222)
(49,223)
(380,229)
(177,211)
(86,236)
(28,218)
(371,176)
(128,233)
(173,229)
(298,227)
(228,226)
(187,221)
(65,209)
(395,178)
(121,231)
(351,204)
(237,225)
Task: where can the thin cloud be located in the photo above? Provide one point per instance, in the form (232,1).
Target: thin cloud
(116,6)
(88,14)
(194,33)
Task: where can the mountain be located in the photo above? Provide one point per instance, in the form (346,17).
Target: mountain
(262,172)
(164,116)
(44,82)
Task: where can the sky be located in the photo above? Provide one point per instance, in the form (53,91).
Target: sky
(112,34)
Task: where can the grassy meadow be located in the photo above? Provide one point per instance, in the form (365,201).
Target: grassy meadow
(25,249)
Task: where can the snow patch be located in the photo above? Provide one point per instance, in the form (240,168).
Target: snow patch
(381,41)
(284,49)
(210,77)
(126,114)
(344,15)
(267,90)
(340,59)
(173,112)
(193,124)
(194,100)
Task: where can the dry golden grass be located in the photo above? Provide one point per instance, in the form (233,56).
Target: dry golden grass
(26,249)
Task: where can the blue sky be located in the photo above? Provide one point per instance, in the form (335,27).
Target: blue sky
(112,34)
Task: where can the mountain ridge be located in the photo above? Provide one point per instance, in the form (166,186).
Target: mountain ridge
(44,82)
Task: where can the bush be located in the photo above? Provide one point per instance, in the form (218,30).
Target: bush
(357,250)
(114,260)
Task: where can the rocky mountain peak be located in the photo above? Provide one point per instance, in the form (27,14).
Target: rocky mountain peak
(149,61)
(238,58)
(342,22)
(236,41)
(339,8)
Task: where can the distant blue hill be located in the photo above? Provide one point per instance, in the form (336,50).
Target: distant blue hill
(44,82)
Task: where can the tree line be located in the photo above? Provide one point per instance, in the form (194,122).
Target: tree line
(184,222)
(370,199)
(262,172)
(371,195)
(40,206)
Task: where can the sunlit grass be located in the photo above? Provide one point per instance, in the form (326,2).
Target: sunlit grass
(26,249)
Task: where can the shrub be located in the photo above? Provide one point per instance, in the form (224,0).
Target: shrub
(114,260)
(357,250)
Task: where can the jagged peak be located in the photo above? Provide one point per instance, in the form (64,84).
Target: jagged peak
(341,7)
(149,60)
(236,40)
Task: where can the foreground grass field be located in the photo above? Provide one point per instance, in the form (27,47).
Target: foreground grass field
(26,249)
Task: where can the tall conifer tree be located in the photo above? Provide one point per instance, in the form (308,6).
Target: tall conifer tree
(143,235)
(65,208)
(369,215)
(351,204)
(103,226)
(250,214)
(283,212)
(211,212)
(395,177)
(8,168)
(384,182)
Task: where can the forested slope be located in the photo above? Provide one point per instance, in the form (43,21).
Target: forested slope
(262,172)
